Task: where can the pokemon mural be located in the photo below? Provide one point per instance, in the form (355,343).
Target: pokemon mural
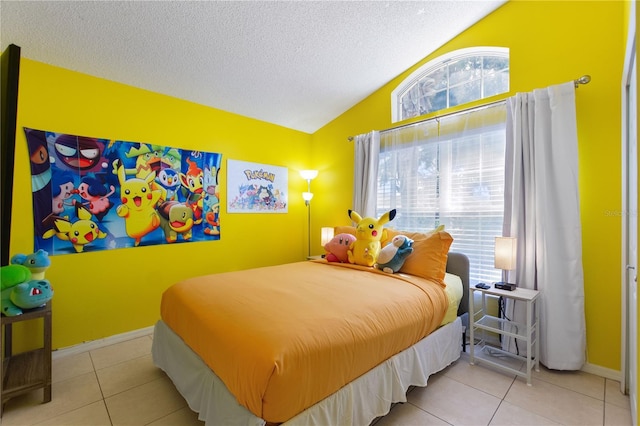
(95,194)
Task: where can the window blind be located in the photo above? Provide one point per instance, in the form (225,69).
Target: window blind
(449,171)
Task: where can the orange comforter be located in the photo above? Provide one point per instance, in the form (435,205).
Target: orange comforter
(284,337)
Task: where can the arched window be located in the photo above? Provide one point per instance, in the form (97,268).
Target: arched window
(456,78)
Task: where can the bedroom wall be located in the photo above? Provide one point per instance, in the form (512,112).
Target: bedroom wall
(550,43)
(101,294)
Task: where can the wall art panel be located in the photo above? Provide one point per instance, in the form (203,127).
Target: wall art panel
(96,194)
(256,188)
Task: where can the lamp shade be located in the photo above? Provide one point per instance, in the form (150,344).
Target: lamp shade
(307,196)
(308,174)
(505,253)
(326,234)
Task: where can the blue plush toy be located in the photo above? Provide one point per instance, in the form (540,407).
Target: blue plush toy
(27,295)
(23,285)
(37,263)
(393,255)
(20,292)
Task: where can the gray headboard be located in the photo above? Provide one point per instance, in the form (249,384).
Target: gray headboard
(458,264)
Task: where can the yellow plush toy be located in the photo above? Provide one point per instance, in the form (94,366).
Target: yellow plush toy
(369,232)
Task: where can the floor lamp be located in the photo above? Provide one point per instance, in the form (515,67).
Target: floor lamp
(308,175)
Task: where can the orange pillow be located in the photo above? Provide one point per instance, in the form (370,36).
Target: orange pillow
(344,230)
(429,257)
(413,235)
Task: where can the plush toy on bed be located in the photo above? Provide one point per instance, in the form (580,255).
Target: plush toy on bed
(393,255)
(369,232)
(337,248)
(37,263)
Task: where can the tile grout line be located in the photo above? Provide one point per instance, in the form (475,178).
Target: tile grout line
(501,401)
(104,402)
(425,411)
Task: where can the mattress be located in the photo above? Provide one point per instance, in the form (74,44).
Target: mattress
(284,337)
(358,403)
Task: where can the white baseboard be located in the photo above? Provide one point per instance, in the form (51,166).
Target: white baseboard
(147,331)
(607,373)
(100,343)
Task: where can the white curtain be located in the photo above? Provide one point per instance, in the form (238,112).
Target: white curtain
(542,210)
(367,148)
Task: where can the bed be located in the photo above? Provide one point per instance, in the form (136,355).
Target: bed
(309,342)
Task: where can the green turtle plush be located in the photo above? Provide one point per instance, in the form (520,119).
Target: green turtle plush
(19,291)
(25,295)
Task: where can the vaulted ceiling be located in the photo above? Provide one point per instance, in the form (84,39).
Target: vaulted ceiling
(298,64)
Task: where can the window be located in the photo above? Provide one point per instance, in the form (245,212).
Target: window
(448,171)
(457,78)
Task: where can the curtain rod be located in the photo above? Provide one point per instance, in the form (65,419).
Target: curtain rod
(585,79)
(437,117)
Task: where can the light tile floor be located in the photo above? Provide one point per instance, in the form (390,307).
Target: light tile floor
(119,385)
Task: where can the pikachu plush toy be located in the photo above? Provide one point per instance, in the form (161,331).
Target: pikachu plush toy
(369,232)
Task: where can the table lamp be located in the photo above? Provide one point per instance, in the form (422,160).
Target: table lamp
(505,259)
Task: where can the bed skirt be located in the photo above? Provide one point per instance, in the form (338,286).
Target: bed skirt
(358,403)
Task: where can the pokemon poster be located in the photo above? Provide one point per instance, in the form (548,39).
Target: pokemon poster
(93,194)
(256,188)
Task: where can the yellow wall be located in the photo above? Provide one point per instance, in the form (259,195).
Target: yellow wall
(550,43)
(105,293)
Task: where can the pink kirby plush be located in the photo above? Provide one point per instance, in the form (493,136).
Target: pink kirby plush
(337,248)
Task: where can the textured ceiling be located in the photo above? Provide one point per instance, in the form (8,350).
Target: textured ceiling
(299,64)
